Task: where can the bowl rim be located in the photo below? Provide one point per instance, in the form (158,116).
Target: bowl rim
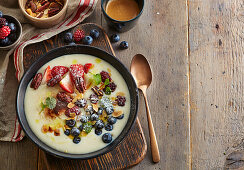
(118,21)
(44,19)
(29,133)
(20,34)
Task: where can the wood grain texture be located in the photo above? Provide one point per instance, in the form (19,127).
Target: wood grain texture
(161,36)
(216,83)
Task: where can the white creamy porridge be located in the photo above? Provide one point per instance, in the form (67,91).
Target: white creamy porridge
(54,126)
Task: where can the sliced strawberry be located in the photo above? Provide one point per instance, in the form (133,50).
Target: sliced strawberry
(66,84)
(87,67)
(76,70)
(77,76)
(59,70)
(47,74)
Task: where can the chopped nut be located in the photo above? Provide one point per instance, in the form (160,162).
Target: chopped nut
(70,105)
(120,94)
(45,128)
(95,107)
(56,132)
(83,133)
(50,129)
(66,127)
(117,113)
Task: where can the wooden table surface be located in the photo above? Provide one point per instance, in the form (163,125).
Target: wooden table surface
(195,49)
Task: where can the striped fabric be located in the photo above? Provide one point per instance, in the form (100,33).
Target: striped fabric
(84,9)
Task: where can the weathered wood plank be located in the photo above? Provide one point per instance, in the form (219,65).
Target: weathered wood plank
(216,83)
(161,35)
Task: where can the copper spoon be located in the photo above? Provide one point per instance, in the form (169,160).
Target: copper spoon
(142,74)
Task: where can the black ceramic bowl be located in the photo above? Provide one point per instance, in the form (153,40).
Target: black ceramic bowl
(122,26)
(76,49)
(18,33)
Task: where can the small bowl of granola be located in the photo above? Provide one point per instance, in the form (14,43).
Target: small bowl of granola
(44,13)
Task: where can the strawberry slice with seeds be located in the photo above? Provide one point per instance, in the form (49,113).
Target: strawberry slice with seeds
(66,84)
(47,74)
(59,70)
(77,76)
(87,67)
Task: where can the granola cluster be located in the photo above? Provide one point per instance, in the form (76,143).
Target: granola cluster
(43,8)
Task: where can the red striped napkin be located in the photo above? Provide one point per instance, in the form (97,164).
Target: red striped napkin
(84,9)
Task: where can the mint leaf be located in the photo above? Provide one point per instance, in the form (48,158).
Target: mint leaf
(97,78)
(108,91)
(51,102)
(87,127)
(43,106)
(106,82)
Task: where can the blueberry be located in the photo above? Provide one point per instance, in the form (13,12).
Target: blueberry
(13,37)
(1,14)
(68,37)
(81,103)
(94,33)
(6,23)
(124,45)
(87,40)
(12,27)
(75,131)
(112,120)
(72,43)
(89,109)
(80,127)
(67,132)
(70,123)
(107,138)
(84,119)
(99,124)
(98,131)
(94,117)
(109,110)
(115,38)
(5,42)
(121,116)
(100,111)
(76,139)
(108,127)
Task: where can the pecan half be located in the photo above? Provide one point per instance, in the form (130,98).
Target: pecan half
(36,81)
(33,6)
(53,11)
(80,84)
(42,8)
(96,90)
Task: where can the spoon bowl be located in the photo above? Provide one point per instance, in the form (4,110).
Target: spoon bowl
(141,71)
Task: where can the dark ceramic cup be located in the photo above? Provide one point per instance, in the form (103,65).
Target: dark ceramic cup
(121,26)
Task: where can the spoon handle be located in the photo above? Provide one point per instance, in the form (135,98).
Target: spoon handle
(153,140)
